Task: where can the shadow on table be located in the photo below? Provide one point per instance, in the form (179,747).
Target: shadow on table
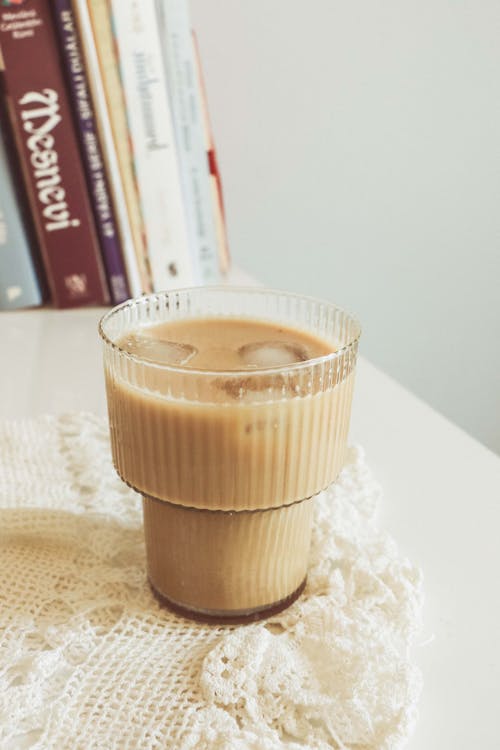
(58,567)
(79,629)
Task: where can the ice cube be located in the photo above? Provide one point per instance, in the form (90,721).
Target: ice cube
(260,388)
(272,354)
(159,350)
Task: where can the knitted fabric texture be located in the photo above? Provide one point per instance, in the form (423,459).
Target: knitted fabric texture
(88,659)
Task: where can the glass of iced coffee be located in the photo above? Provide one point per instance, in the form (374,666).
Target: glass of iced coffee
(229,411)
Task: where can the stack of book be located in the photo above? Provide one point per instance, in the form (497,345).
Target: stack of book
(108,179)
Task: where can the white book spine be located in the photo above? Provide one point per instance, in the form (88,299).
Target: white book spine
(153,143)
(180,66)
(108,145)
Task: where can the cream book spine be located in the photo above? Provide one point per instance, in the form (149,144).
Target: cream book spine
(94,26)
(153,143)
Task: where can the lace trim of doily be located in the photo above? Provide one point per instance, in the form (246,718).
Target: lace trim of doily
(89,660)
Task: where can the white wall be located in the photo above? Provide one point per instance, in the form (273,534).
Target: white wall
(359,149)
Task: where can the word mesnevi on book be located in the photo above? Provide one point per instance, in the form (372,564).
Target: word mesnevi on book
(44,159)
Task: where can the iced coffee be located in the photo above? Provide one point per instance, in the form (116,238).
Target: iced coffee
(228,414)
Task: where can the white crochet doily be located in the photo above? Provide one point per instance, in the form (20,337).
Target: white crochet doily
(88,659)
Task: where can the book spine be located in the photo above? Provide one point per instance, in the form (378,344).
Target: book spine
(215,178)
(94,22)
(91,150)
(18,280)
(49,155)
(153,143)
(180,68)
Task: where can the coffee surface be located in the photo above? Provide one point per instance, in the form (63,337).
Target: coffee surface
(224,344)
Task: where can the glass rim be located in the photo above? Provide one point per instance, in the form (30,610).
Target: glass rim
(275,369)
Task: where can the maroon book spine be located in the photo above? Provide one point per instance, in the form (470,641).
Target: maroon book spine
(46,139)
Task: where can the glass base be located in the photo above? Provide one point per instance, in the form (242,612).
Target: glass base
(228,617)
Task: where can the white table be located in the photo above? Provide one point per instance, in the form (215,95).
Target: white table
(442,503)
